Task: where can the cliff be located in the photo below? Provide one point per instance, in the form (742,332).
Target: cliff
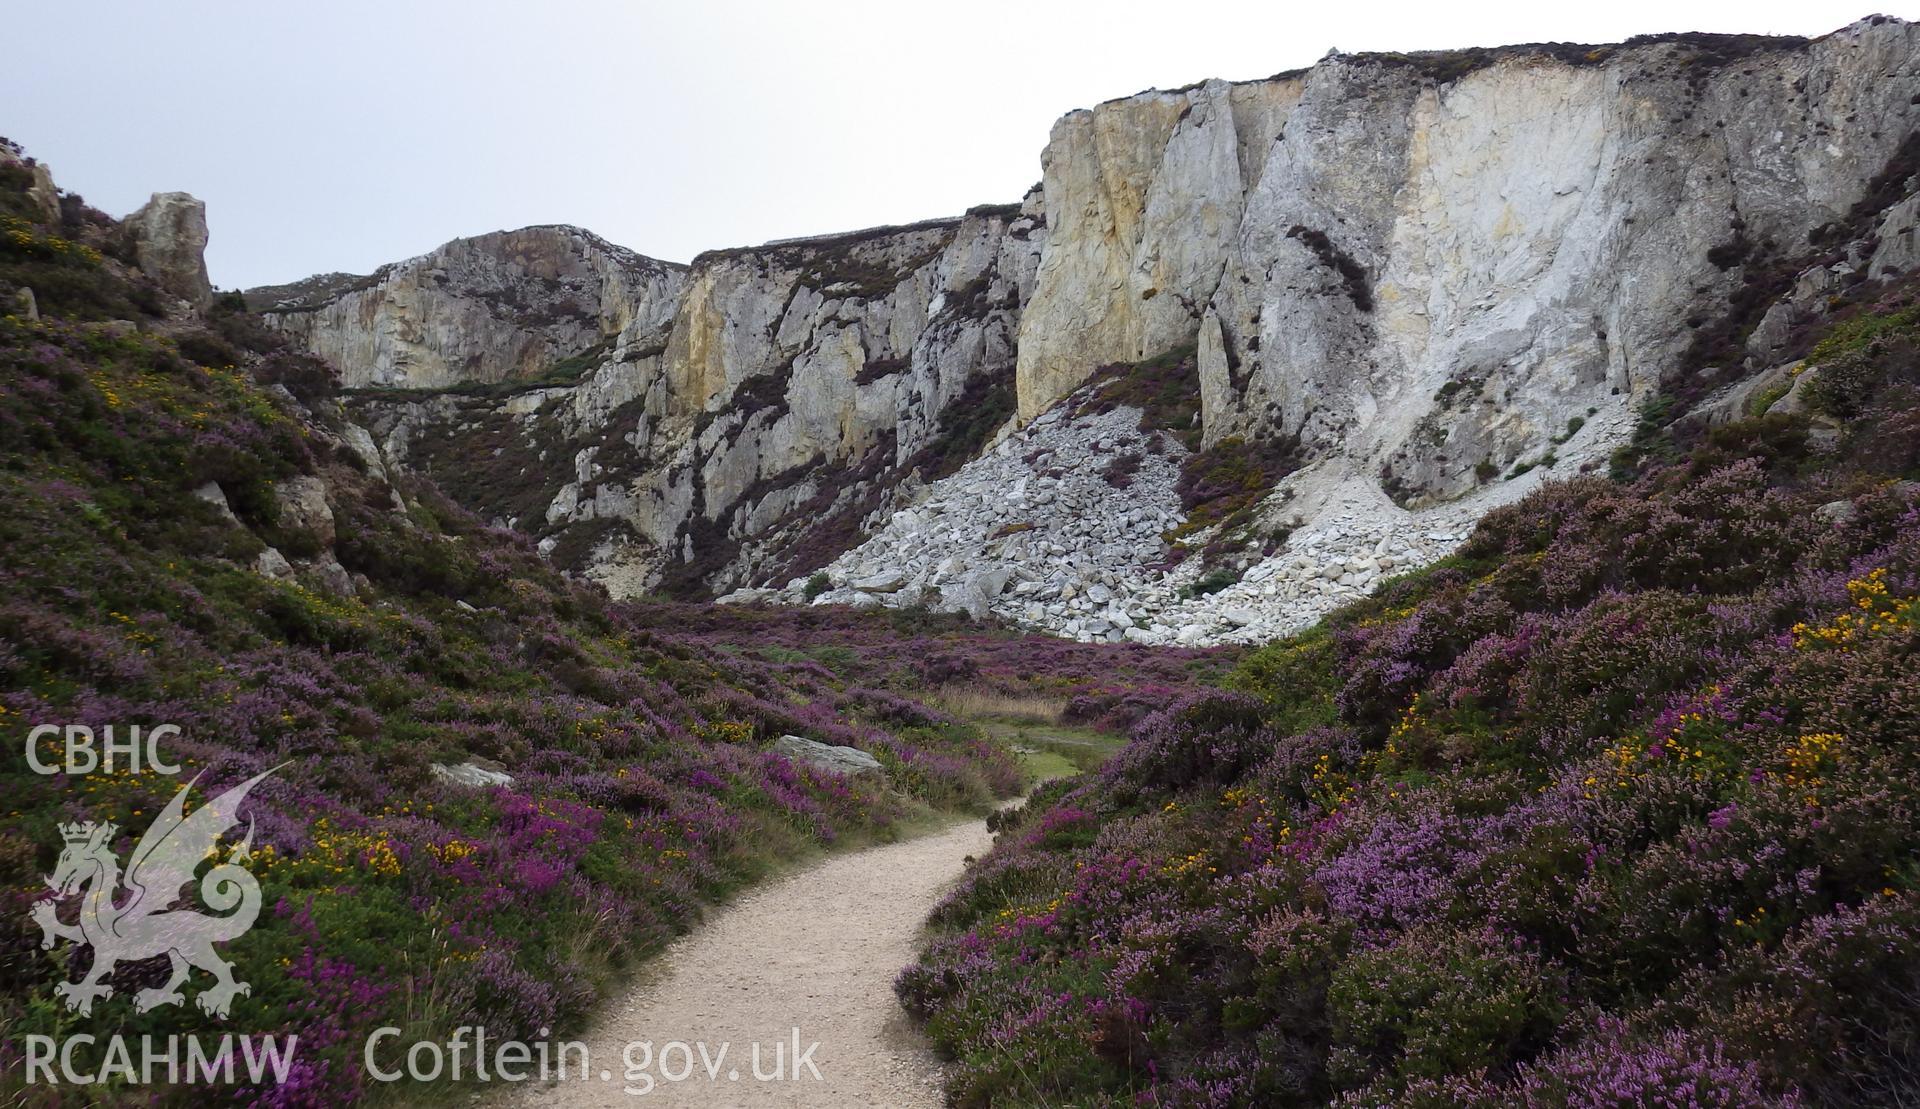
(687,426)
(486,309)
(1428,264)
(1419,277)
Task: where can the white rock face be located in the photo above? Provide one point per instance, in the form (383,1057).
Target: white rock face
(1426,277)
(1442,276)
(776,390)
(170,242)
(485,309)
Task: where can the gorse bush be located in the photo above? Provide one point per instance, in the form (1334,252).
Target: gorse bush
(1617,805)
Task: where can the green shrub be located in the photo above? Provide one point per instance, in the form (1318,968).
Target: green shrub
(1209,583)
(1768,397)
(1438,1002)
(1295,677)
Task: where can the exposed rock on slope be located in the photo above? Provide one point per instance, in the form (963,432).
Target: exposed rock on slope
(1030,531)
(1424,274)
(1429,263)
(1032,534)
(737,423)
(170,241)
(487,309)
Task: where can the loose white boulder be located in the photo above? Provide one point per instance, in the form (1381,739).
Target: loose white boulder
(826,756)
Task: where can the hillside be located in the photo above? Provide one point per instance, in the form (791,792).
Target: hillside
(1619,804)
(494,789)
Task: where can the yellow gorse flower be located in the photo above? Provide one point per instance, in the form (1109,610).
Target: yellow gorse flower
(1875,612)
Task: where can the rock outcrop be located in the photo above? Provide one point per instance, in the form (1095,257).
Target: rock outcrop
(170,242)
(1427,276)
(40,191)
(716,425)
(826,756)
(471,775)
(493,308)
(1430,263)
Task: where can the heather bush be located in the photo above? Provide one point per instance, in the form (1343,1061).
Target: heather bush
(1615,1067)
(1616,805)
(642,787)
(1208,737)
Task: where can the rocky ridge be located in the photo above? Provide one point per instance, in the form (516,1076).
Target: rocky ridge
(482,310)
(1538,239)
(756,404)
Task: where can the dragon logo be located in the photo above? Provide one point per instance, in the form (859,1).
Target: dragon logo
(144,925)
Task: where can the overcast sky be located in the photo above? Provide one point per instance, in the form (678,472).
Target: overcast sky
(341,135)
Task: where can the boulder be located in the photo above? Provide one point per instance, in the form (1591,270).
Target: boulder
(826,756)
(881,581)
(302,501)
(473,774)
(964,597)
(270,563)
(1836,512)
(170,243)
(217,497)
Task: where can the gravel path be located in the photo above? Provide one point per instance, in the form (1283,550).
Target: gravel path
(818,950)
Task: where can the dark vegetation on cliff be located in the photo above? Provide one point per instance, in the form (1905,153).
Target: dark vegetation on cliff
(1220,484)
(1717,353)
(1618,805)
(1700,52)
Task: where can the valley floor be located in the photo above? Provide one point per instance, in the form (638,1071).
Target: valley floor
(818,950)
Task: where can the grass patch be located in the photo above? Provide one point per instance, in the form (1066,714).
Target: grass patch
(980,702)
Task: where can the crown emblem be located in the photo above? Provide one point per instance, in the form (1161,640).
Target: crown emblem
(83,832)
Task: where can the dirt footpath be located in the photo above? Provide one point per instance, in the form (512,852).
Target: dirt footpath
(815,950)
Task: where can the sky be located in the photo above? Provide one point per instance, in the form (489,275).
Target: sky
(343,135)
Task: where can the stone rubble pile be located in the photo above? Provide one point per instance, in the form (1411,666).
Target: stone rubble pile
(1033,533)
